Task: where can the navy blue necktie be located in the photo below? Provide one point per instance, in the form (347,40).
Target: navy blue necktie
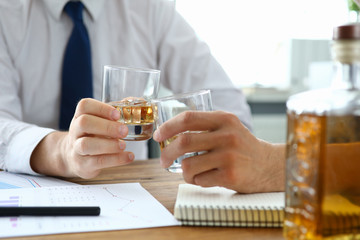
(76,73)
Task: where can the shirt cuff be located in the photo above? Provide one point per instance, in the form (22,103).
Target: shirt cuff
(21,147)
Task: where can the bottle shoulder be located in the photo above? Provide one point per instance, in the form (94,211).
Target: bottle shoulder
(325,102)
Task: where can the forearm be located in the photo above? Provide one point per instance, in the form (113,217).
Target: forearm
(47,157)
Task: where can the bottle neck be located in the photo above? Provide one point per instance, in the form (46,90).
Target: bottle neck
(347,76)
(346,55)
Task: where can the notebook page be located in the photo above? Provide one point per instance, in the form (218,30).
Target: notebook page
(192,195)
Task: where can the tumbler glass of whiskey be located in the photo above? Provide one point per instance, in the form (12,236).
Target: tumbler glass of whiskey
(130,91)
(168,107)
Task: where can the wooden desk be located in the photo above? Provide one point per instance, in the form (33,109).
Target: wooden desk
(163,186)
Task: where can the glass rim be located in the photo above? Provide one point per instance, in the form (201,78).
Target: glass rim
(133,69)
(181,95)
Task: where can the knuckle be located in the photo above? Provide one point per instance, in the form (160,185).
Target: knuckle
(101,161)
(231,157)
(187,177)
(82,121)
(186,165)
(81,168)
(230,173)
(85,167)
(230,119)
(184,140)
(88,175)
(81,173)
(110,129)
(94,174)
(232,139)
(77,167)
(82,105)
(231,176)
(188,116)
(81,146)
(121,158)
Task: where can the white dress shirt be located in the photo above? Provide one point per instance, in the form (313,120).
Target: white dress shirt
(139,33)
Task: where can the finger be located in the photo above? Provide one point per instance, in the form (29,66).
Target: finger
(112,160)
(94,107)
(98,146)
(89,124)
(224,169)
(219,177)
(196,165)
(213,174)
(90,166)
(212,178)
(187,142)
(188,121)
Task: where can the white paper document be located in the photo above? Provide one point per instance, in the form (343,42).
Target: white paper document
(123,206)
(15,180)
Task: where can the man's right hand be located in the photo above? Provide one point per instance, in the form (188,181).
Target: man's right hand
(234,158)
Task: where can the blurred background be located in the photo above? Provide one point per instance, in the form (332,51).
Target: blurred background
(270,49)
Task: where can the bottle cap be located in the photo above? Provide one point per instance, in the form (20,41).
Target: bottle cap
(349,31)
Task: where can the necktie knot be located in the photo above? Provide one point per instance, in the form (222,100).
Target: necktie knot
(74,10)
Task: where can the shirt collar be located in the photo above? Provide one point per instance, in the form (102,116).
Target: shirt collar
(94,7)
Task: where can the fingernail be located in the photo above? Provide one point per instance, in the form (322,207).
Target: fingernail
(123,130)
(122,145)
(115,114)
(131,156)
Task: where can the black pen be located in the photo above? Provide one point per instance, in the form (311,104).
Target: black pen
(50,211)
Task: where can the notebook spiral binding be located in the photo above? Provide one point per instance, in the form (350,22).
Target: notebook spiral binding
(335,223)
(231,217)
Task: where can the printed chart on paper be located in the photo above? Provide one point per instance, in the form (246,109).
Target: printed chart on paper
(123,206)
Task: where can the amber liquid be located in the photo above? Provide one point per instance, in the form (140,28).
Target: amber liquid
(323,177)
(138,115)
(163,144)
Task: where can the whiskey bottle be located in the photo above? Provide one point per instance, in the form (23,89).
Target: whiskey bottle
(323,150)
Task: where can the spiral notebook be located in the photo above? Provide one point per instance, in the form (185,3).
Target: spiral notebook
(217,206)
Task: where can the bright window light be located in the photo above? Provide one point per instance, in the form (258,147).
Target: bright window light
(250,38)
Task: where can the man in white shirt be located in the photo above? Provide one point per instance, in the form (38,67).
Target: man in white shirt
(141,33)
